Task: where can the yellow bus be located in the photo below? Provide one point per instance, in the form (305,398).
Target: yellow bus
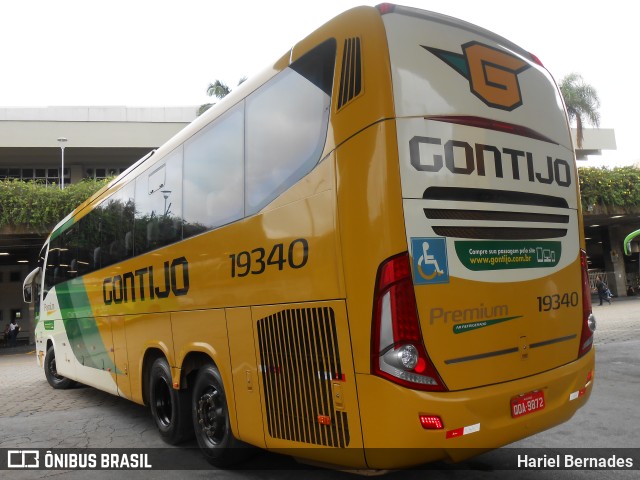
(369,256)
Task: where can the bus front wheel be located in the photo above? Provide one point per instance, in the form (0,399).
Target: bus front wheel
(211,420)
(169,407)
(51,372)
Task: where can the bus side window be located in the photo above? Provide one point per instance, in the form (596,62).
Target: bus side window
(116,221)
(286,126)
(89,243)
(68,254)
(158,205)
(51,264)
(214,174)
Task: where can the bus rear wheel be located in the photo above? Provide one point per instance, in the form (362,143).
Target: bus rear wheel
(51,372)
(211,420)
(170,408)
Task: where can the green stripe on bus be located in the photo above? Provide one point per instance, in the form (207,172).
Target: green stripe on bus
(56,233)
(468,327)
(81,327)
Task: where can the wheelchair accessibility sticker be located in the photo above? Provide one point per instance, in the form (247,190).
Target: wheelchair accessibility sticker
(429,261)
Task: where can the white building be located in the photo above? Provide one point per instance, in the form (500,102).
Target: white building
(100,141)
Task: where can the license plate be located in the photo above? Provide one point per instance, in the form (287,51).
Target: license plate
(527,403)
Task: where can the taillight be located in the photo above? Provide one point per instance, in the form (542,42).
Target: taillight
(397,350)
(536,59)
(385,8)
(431,422)
(588,320)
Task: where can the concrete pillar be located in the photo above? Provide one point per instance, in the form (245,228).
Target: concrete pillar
(76,173)
(613,256)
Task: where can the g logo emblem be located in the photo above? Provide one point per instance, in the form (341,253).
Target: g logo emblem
(492,73)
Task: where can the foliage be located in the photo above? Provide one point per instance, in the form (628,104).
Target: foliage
(582,103)
(617,187)
(219,90)
(203,108)
(40,207)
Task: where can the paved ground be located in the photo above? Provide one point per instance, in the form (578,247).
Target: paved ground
(617,322)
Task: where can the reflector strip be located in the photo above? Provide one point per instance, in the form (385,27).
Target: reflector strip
(458,432)
(577,394)
(324,420)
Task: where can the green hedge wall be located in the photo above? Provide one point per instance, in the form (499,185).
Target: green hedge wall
(616,187)
(39,207)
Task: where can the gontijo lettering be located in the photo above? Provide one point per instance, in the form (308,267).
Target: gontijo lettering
(145,283)
(429,154)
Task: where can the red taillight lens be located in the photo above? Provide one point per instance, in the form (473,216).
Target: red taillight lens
(588,320)
(385,8)
(431,422)
(397,350)
(589,378)
(536,59)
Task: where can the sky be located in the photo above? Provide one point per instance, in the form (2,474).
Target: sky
(165,53)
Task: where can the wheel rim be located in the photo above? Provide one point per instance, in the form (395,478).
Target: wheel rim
(212,416)
(52,369)
(162,402)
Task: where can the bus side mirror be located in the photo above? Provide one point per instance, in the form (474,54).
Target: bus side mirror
(27,293)
(27,286)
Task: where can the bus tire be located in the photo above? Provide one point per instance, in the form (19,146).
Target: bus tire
(211,420)
(169,407)
(50,371)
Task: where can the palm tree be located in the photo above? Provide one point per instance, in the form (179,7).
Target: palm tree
(582,103)
(219,90)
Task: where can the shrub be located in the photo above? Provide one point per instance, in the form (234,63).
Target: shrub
(40,207)
(603,187)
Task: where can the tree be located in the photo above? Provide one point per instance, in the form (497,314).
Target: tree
(582,103)
(219,90)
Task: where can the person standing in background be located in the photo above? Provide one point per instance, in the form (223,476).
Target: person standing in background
(14,329)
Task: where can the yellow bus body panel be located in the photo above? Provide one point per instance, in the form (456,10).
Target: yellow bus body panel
(485,412)
(526,341)
(244,370)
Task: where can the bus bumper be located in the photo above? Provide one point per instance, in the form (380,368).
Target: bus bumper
(474,420)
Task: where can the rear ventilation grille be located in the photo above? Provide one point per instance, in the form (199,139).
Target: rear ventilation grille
(351,77)
(514,201)
(494,216)
(493,196)
(299,358)
(500,233)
